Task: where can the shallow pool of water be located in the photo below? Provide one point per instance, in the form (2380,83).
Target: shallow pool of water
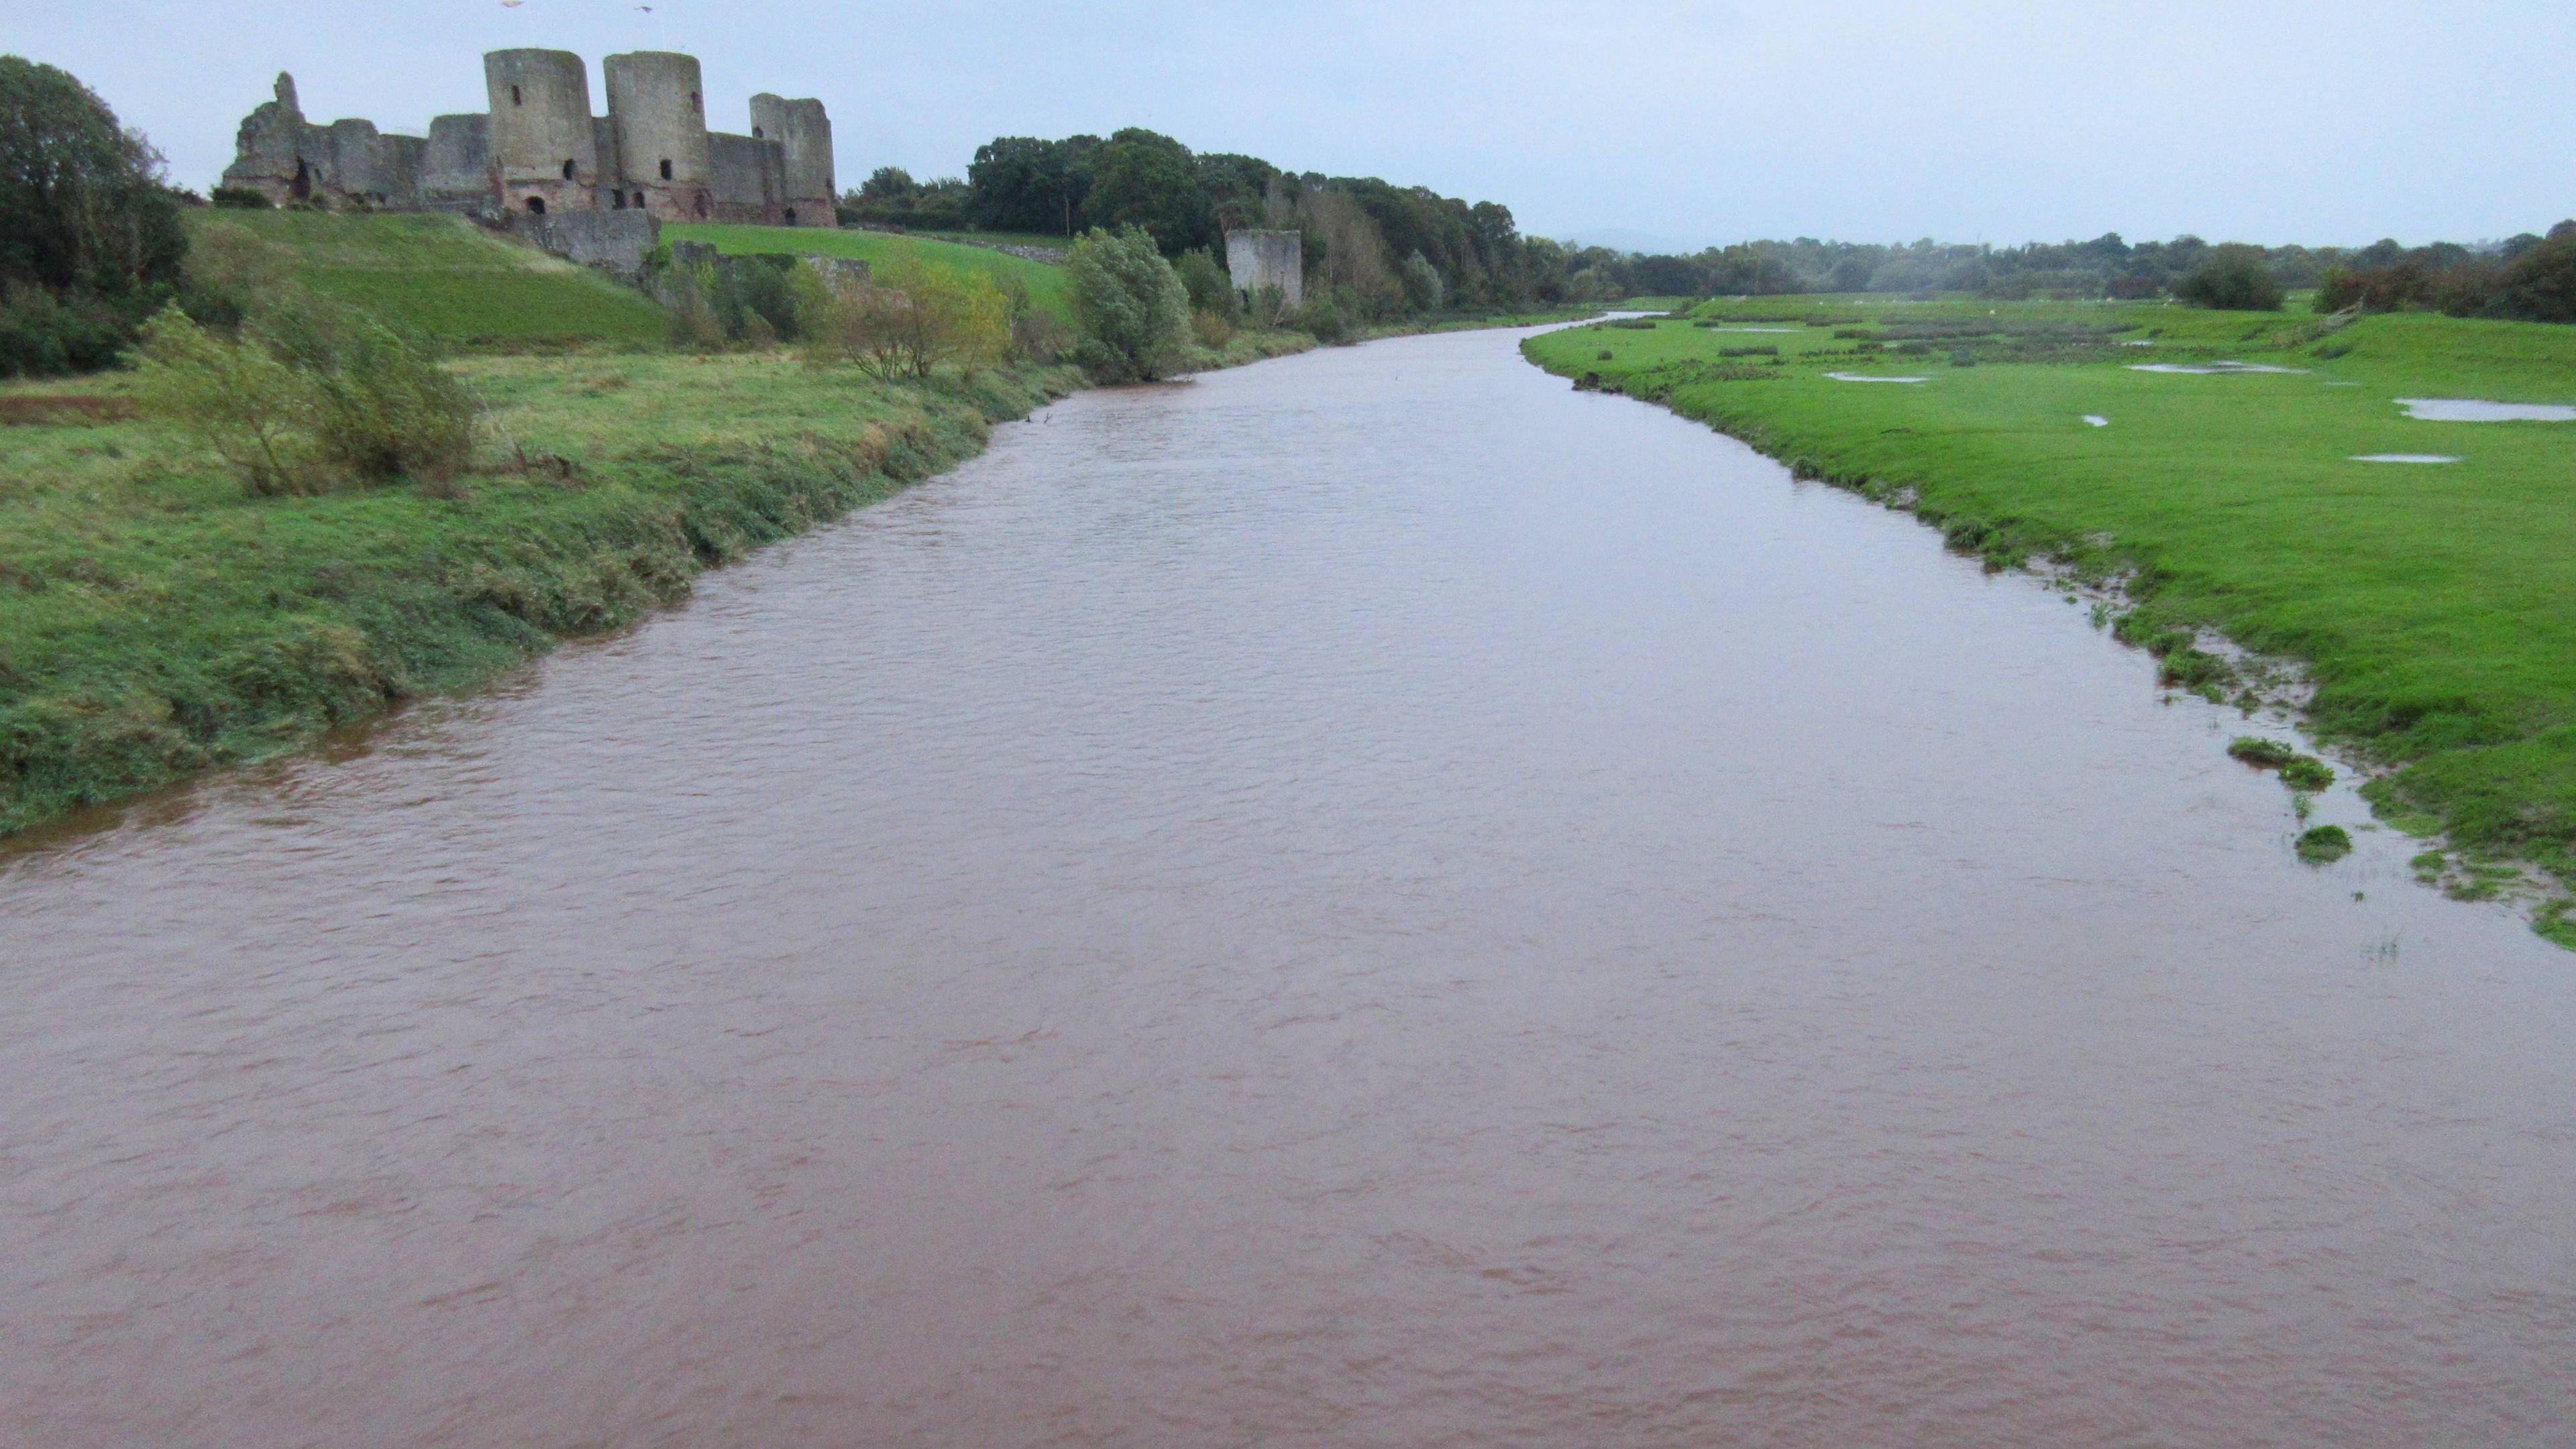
(2404,458)
(1866,377)
(1373,899)
(2211,369)
(2474,410)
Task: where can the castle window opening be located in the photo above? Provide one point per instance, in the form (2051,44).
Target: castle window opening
(617,201)
(567,170)
(757,133)
(639,200)
(666,168)
(515,97)
(536,206)
(791,216)
(694,103)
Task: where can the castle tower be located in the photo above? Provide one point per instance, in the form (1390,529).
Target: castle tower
(805,133)
(542,156)
(658,105)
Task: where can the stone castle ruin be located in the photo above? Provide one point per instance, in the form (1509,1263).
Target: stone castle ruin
(1258,259)
(539,152)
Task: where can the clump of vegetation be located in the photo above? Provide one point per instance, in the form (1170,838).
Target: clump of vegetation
(2556,920)
(909,320)
(2530,278)
(90,241)
(2234,279)
(2324,844)
(2261,753)
(309,397)
(1322,318)
(2307,772)
(1129,306)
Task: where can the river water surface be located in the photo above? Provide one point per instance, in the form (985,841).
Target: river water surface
(1366,900)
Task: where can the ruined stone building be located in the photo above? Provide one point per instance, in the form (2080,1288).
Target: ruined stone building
(539,151)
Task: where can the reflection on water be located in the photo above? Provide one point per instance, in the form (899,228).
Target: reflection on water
(1369,900)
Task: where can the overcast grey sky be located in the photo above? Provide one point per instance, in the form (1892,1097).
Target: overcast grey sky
(1981,120)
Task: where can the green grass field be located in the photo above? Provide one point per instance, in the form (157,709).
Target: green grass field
(2434,604)
(1046,284)
(447,278)
(1002,238)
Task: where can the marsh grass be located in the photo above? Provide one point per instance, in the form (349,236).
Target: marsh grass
(2324,844)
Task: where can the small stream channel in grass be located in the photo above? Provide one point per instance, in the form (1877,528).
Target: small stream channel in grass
(1372,899)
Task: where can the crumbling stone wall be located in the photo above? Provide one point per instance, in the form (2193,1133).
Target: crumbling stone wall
(1258,259)
(803,134)
(614,241)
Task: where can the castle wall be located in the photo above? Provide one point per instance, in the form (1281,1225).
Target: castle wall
(658,103)
(747,178)
(543,155)
(804,134)
(615,241)
(1257,259)
(539,147)
(456,165)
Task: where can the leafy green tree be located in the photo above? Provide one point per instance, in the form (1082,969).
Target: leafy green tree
(1132,310)
(90,243)
(2233,279)
(1144,179)
(1211,289)
(1022,183)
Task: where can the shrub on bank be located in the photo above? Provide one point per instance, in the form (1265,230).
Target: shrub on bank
(912,319)
(1129,305)
(307,398)
(1210,288)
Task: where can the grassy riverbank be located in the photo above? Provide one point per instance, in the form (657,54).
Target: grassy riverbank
(2435,605)
(155,620)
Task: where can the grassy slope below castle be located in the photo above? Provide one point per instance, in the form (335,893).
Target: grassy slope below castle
(1046,284)
(447,278)
(2435,605)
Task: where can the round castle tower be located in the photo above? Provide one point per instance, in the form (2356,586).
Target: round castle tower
(658,104)
(543,156)
(804,132)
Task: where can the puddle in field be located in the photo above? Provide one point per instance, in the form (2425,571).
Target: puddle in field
(2478,410)
(1863,377)
(2403,458)
(2097,420)
(1783,330)
(2210,369)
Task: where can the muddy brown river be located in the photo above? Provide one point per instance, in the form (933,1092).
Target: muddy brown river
(1367,900)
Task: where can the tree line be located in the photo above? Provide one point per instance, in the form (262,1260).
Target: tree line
(1381,249)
